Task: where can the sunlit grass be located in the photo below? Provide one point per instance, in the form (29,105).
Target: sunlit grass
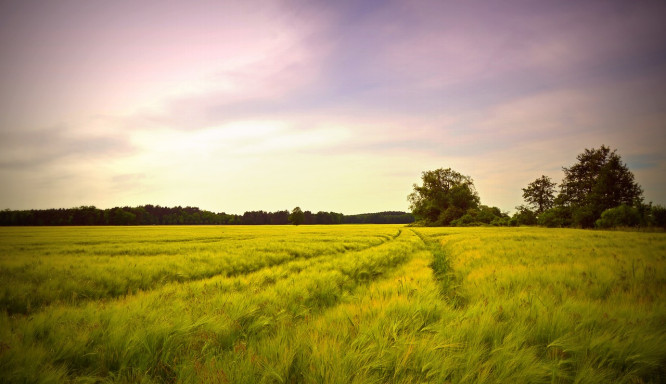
(39,266)
(584,306)
(359,304)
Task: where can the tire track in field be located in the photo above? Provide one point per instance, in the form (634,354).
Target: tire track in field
(358,277)
(202,317)
(320,296)
(296,265)
(351,323)
(257,282)
(257,306)
(444,273)
(21,305)
(297,256)
(294,258)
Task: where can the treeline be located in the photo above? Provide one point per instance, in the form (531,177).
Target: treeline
(597,191)
(142,215)
(157,215)
(390,217)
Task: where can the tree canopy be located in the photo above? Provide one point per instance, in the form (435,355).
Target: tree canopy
(600,179)
(597,182)
(540,194)
(598,190)
(297,216)
(445,196)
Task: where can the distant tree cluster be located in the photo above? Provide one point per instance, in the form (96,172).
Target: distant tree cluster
(448,198)
(298,217)
(264,218)
(389,217)
(142,215)
(157,215)
(598,191)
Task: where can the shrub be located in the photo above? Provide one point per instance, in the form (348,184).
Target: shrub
(584,217)
(467,220)
(484,215)
(501,222)
(621,216)
(525,216)
(555,217)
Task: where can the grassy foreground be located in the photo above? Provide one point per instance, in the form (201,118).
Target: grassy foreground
(331,304)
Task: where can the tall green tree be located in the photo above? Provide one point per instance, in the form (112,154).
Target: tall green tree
(444,196)
(540,194)
(597,182)
(297,216)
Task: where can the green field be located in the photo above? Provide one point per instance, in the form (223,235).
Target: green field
(331,304)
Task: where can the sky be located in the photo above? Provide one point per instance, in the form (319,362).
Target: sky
(234,106)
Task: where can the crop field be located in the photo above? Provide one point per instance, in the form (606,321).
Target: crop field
(331,304)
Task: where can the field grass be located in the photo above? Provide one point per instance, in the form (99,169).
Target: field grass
(331,304)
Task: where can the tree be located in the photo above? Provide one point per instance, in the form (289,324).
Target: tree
(540,194)
(599,181)
(658,216)
(524,216)
(118,216)
(445,195)
(297,216)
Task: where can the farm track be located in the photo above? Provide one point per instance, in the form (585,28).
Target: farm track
(221,315)
(252,279)
(443,272)
(286,263)
(168,277)
(258,280)
(263,319)
(363,332)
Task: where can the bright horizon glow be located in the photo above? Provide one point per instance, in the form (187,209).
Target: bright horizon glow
(328,106)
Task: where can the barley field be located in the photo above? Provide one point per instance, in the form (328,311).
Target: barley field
(331,304)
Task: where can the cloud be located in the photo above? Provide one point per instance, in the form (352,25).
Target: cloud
(30,149)
(220,102)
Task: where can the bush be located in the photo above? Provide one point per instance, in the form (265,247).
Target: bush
(621,216)
(584,217)
(484,215)
(487,214)
(555,217)
(501,222)
(467,220)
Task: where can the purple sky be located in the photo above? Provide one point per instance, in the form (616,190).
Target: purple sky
(330,105)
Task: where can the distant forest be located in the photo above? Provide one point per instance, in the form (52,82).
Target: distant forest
(157,215)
